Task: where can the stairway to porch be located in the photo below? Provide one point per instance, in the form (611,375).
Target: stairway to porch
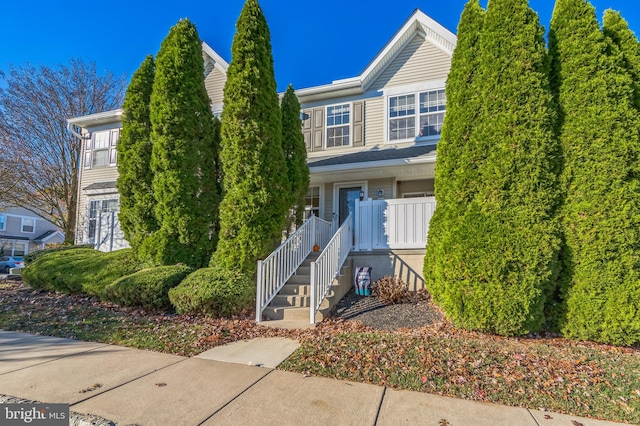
(290,308)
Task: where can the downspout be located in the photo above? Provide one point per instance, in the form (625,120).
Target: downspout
(73,132)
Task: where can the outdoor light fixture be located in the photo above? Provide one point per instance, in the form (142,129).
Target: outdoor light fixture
(361,195)
(380,193)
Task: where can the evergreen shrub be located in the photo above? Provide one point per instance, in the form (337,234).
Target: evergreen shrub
(213,291)
(148,287)
(79,270)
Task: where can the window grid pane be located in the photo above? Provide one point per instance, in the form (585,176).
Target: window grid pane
(402,128)
(431,124)
(101,157)
(401,106)
(433,101)
(338,118)
(338,136)
(101,140)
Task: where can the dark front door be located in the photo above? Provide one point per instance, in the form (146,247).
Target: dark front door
(347,202)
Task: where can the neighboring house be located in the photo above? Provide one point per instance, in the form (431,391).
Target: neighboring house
(22,232)
(371,145)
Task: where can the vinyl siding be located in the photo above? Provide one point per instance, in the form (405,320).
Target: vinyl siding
(374,119)
(409,186)
(419,61)
(215,85)
(88,177)
(385,184)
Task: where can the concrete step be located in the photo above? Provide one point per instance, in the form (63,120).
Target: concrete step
(311,258)
(291,300)
(296,289)
(288,324)
(299,279)
(289,314)
(304,270)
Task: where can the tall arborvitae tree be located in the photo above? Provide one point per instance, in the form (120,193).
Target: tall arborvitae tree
(253,212)
(618,33)
(183,156)
(503,249)
(295,153)
(456,170)
(134,159)
(600,179)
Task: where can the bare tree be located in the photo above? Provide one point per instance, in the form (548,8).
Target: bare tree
(43,156)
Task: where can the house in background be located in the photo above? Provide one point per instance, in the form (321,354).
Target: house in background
(22,232)
(371,146)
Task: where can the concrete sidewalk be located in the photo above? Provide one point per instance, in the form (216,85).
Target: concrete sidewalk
(129,386)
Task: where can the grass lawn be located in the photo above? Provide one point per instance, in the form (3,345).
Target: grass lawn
(550,373)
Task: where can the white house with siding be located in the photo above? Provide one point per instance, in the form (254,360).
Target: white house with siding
(371,147)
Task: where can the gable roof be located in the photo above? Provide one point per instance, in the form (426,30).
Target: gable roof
(212,60)
(418,24)
(48,236)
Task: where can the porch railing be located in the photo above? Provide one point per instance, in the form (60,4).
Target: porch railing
(279,266)
(327,266)
(393,224)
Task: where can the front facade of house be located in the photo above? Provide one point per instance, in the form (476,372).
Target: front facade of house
(22,232)
(370,139)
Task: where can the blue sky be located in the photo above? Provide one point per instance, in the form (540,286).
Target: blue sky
(313,42)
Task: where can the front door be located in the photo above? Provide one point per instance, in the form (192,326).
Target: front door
(347,203)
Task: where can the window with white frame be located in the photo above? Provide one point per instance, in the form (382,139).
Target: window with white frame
(3,222)
(416,115)
(19,249)
(402,117)
(100,149)
(338,125)
(28,225)
(312,202)
(96,208)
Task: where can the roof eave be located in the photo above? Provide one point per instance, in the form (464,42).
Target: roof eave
(97,119)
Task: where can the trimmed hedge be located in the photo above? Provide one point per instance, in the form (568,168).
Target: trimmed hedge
(32,256)
(213,291)
(148,288)
(79,270)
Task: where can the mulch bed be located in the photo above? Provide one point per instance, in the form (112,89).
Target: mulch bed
(417,312)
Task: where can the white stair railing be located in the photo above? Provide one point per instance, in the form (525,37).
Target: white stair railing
(279,266)
(327,267)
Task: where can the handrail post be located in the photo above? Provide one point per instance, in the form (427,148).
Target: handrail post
(312,307)
(259,290)
(313,231)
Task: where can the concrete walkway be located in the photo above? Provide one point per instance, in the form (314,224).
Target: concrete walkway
(224,386)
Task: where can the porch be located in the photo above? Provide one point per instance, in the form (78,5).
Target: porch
(296,283)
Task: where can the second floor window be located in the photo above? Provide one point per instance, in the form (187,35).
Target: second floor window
(28,225)
(416,115)
(338,124)
(100,149)
(3,222)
